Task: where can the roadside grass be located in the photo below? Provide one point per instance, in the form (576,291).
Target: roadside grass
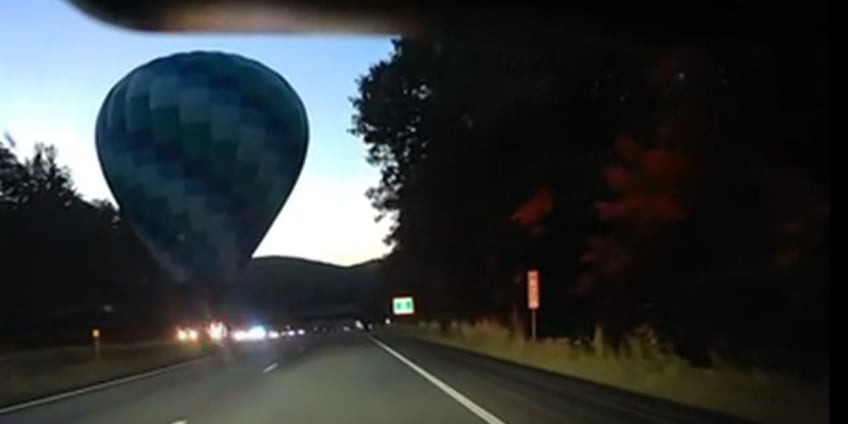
(35,374)
(645,366)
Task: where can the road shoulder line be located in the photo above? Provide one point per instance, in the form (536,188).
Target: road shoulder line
(271,367)
(96,387)
(477,410)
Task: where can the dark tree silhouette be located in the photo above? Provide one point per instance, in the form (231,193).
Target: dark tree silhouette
(677,186)
(68,264)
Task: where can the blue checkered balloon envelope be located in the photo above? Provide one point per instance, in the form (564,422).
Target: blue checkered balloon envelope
(201,151)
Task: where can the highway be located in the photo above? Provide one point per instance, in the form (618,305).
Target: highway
(353,378)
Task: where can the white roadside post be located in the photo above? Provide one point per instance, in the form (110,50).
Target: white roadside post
(95,338)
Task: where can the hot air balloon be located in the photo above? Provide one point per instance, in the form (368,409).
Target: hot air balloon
(201,151)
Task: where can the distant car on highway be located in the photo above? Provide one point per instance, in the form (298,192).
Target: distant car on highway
(334,326)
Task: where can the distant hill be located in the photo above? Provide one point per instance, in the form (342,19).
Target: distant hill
(291,286)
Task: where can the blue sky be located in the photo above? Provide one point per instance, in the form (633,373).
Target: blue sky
(56,66)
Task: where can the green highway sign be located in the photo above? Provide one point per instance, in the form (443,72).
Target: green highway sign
(403,305)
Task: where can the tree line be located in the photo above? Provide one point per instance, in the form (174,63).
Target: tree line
(69,265)
(684,187)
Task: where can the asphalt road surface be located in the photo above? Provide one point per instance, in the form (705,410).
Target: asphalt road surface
(353,378)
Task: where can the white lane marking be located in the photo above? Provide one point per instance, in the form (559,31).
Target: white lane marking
(269,368)
(180,422)
(89,389)
(477,410)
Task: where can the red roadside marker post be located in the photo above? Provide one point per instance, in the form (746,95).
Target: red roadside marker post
(533,299)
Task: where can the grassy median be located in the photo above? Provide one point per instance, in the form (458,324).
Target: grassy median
(29,375)
(646,367)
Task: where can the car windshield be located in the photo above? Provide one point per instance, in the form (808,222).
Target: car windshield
(412,218)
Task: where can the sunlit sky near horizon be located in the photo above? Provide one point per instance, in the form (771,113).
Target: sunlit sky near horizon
(56,66)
